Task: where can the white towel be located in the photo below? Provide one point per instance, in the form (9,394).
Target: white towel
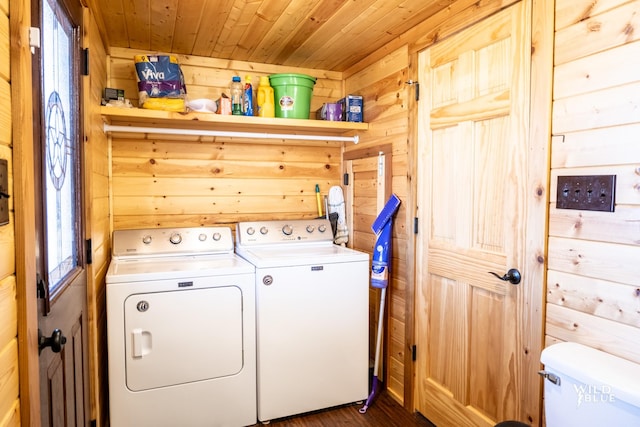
(336,204)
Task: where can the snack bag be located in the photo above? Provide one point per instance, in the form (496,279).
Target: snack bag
(160,82)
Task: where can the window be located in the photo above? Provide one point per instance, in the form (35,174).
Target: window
(60,146)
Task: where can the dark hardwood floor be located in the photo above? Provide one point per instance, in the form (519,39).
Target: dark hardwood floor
(385,412)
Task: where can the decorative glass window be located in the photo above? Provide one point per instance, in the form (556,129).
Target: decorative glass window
(61,147)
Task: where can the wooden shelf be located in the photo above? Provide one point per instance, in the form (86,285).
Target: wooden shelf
(139,117)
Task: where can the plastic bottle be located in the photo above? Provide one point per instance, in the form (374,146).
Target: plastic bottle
(248,96)
(237,96)
(380,258)
(265,100)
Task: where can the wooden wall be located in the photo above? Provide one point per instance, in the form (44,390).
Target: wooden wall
(189,181)
(98,218)
(593,295)
(9,386)
(382,84)
(210,77)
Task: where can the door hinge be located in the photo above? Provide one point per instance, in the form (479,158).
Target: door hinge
(345,179)
(4,192)
(414,352)
(415,225)
(89,251)
(416,86)
(85,62)
(34,39)
(42,292)
(41,287)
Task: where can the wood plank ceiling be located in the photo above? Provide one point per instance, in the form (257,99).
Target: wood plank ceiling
(321,34)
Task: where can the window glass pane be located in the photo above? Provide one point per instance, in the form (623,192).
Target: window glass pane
(60,145)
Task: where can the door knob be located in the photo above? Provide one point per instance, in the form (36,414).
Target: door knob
(56,341)
(513,276)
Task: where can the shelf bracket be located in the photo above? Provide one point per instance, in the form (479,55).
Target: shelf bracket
(229,134)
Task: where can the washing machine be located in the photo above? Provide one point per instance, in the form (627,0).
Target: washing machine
(180,329)
(311,315)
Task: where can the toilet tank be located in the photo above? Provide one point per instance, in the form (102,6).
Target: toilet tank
(588,387)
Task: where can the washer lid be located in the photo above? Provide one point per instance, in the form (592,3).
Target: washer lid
(286,255)
(146,269)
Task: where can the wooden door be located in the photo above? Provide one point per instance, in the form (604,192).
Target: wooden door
(64,373)
(60,217)
(473,134)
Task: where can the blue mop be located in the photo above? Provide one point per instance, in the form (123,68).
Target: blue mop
(380,279)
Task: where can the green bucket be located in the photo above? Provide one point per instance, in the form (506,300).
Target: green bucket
(292,93)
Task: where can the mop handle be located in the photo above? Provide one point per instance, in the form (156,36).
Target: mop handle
(376,362)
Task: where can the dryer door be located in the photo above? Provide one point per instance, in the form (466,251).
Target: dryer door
(182,336)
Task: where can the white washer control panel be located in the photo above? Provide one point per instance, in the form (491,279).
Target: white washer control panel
(283,231)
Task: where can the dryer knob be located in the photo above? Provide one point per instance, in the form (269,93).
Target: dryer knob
(310,228)
(202,237)
(322,228)
(264,230)
(146,239)
(217,236)
(175,238)
(142,306)
(250,231)
(287,230)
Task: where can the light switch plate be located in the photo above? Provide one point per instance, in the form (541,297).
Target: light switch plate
(587,192)
(4,192)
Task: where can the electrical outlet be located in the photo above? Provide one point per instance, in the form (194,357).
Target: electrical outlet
(586,192)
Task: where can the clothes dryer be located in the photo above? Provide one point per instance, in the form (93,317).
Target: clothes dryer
(181,329)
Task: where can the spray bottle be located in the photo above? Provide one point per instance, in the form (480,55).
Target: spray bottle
(248,96)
